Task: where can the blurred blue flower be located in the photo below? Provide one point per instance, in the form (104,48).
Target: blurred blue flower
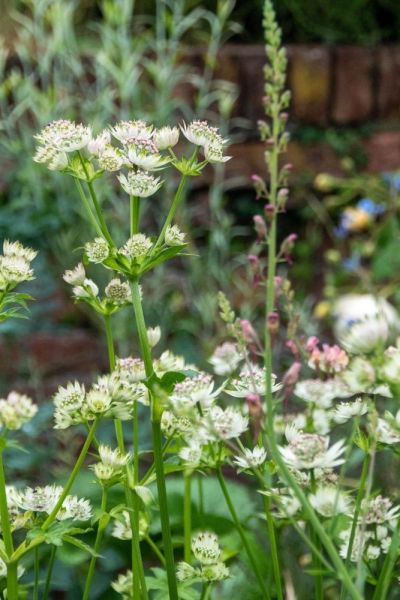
(352,263)
(392,179)
(370,207)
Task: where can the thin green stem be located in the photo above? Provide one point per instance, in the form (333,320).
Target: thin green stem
(318,584)
(156,412)
(274,548)
(381,591)
(240,530)
(201,494)
(171,214)
(99,537)
(97,208)
(134,203)
(155,549)
(12,580)
(110,342)
(151,469)
(72,477)
(88,209)
(206,591)
(138,583)
(357,510)
(49,572)
(187,516)
(36,566)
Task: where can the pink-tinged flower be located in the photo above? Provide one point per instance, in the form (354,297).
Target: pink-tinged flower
(332,359)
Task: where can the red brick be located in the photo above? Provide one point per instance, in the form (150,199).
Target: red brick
(309,81)
(353,84)
(383,151)
(389,81)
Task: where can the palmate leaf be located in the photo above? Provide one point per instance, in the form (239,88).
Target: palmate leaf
(59,532)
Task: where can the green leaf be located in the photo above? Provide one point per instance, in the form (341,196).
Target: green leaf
(81,545)
(164,255)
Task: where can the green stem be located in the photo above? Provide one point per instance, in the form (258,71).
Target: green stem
(357,510)
(206,591)
(151,469)
(138,583)
(381,591)
(155,549)
(134,203)
(72,477)
(156,412)
(88,209)
(172,211)
(49,572)
(12,580)
(99,536)
(36,575)
(318,589)
(97,208)
(238,525)
(274,548)
(201,495)
(187,516)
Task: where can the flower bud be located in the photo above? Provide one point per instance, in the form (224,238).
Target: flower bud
(260,227)
(153,336)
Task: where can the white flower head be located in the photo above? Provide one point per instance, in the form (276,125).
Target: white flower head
(98,250)
(347,410)
(192,391)
(110,159)
(174,236)
(153,335)
(214,152)
(16,410)
(14,270)
(251,458)
(226,358)
(166,137)
(184,571)
(17,250)
(97,145)
(88,289)
(205,547)
(75,276)
(142,153)
(140,183)
(311,451)
(137,246)
(328,501)
(191,454)
(220,424)
(127,132)
(60,137)
(251,380)
(118,291)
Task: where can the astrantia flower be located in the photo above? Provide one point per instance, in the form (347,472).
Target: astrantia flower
(127,131)
(118,291)
(98,250)
(44,499)
(360,376)
(122,527)
(16,249)
(14,270)
(168,362)
(88,289)
(98,401)
(220,424)
(199,132)
(214,152)
(143,153)
(390,369)
(16,410)
(347,410)
(378,510)
(215,572)
(131,369)
(110,159)
(191,454)
(350,308)
(251,458)
(331,359)
(140,183)
(251,380)
(137,246)
(311,451)
(317,392)
(329,501)
(192,391)
(98,144)
(184,571)
(174,236)
(388,429)
(205,547)
(123,585)
(75,276)
(153,335)
(166,137)
(366,335)
(226,358)
(111,462)
(59,138)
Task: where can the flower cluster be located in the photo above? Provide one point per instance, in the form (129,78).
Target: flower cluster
(207,552)
(110,464)
(44,500)
(15,265)
(16,410)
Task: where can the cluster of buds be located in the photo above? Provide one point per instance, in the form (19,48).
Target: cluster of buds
(331,359)
(15,265)
(16,410)
(207,552)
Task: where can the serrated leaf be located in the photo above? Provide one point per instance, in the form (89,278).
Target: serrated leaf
(160,258)
(81,545)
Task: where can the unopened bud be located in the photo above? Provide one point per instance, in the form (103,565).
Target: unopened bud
(311,343)
(259,185)
(153,336)
(273,323)
(260,227)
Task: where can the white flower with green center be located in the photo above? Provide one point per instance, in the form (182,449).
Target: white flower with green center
(118,291)
(311,451)
(205,547)
(131,369)
(98,250)
(88,289)
(200,133)
(14,270)
(137,246)
(251,380)
(345,411)
(168,362)
(111,159)
(192,391)
(143,153)
(328,501)
(390,369)
(184,571)
(214,152)
(216,572)
(140,183)
(78,509)
(226,358)
(360,376)
(127,131)
(98,401)
(166,137)
(64,135)
(16,410)
(378,510)
(388,429)
(123,585)
(113,457)
(122,526)
(174,236)
(71,397)
(75,276)
(191,454)
(319,393)
(251,458)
